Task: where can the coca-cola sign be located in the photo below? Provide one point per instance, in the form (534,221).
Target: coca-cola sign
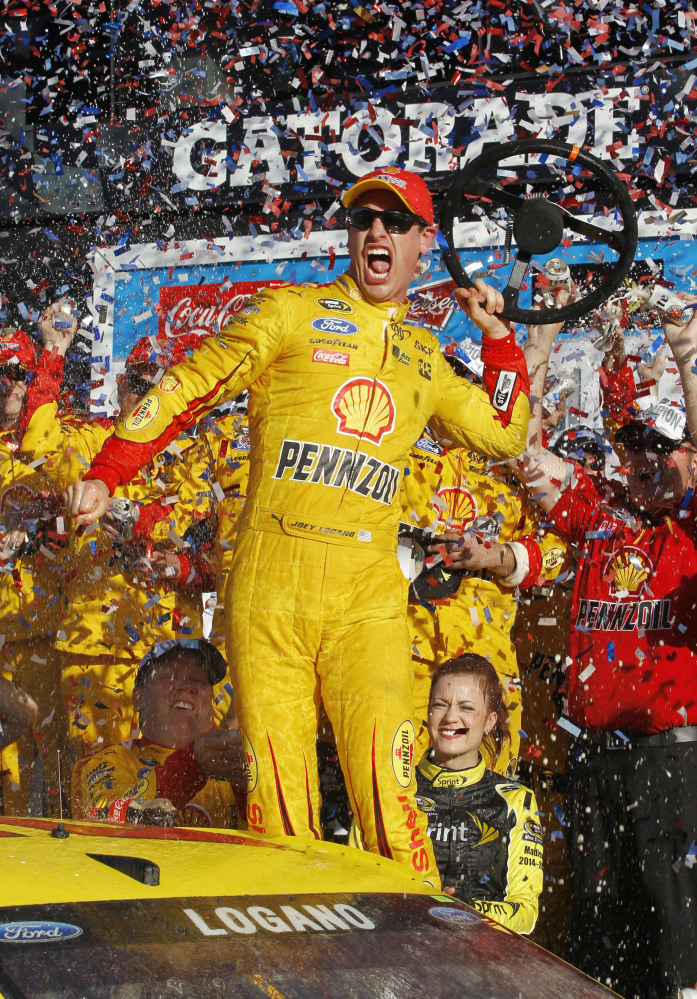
(330,356)
(203,309)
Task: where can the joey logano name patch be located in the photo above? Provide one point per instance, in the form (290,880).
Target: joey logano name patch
(305,461)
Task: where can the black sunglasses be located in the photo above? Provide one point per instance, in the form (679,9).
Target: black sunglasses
(13,373)
(393,220)
(640,441)
(137,385)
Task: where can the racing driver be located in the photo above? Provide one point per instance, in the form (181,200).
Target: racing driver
(339,388)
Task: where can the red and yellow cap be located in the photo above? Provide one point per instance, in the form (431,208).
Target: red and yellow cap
(16,348)
(409,187)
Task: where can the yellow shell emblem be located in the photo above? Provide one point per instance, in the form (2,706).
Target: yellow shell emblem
(364,408)
(629,569)
(459,508)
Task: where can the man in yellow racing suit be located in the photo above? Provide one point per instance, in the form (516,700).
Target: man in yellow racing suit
(339,389)
(470,605)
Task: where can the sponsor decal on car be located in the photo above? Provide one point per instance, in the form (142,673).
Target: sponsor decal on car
(37,932)
(282,919)
(459,916)
(330,324)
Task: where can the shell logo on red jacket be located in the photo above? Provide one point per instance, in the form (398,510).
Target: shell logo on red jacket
(364,408)
(627,571)
(458,507)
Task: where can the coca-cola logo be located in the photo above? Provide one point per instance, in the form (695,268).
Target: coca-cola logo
(330,356)
(205,309)
(187,317)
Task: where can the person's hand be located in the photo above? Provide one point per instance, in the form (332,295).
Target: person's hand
(544,331)
(681,337)
(219,754)
(18,712)
(58,326)
(87,501)
(11,542)
(647,372)
(165,565)
(157,812)
(482,303)
(470,551)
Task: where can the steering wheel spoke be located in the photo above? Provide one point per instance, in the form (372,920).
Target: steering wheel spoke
(533,209)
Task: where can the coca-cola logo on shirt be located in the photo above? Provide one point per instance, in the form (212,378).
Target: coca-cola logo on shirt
(330,356)
(204,309)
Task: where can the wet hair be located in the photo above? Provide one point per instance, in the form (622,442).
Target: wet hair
(484,673)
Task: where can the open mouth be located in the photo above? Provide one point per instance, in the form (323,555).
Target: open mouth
(183,705)
(379,263)
(452,733)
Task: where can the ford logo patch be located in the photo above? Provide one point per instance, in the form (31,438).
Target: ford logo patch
(332,324)
(37,932)
(448,915)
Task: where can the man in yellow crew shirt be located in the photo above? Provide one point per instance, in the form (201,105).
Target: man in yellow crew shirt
(340,387)
(179,771)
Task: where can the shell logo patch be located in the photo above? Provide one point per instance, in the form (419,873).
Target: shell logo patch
(364,408)
(250,761)
(403,753)
(168,384)
(628,571)
(143,415)
(458,507)
(16,495)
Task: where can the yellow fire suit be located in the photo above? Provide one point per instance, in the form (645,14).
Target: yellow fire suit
(107,780)
(114,614)
(30,605)
(452,488)
(339,389)
(227,449)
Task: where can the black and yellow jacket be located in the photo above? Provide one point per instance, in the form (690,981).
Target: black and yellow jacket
(486,839)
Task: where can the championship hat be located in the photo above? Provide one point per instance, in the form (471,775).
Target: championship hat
(661,428)
(409,187)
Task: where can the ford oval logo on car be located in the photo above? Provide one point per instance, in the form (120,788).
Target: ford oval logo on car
(37,932)
(331,324)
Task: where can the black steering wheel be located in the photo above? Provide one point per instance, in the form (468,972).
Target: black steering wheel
(549,190)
